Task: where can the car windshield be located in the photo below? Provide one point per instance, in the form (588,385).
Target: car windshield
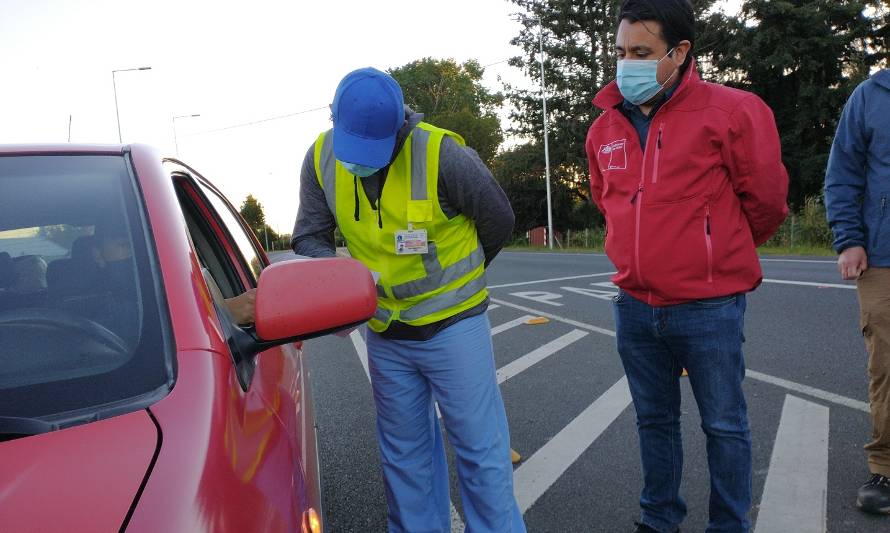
(82,331)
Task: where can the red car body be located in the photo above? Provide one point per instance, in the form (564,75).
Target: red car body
(210,455)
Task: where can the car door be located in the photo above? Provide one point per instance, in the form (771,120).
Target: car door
(273,444)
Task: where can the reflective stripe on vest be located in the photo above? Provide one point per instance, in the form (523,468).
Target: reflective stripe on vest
(328,165)
(419,140)
(437,276)
(382,314)
(443,301)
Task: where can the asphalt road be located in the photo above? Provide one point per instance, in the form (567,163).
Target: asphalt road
(571,419)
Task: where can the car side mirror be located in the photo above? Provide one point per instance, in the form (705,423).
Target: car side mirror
(306,298)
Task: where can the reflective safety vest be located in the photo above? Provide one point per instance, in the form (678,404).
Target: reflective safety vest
(415,289)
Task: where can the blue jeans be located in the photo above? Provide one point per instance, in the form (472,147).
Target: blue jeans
(655,345)
(456,369)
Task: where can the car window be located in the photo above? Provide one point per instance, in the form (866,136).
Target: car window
(233,225)
(82,330)
(219,258)
(208,244)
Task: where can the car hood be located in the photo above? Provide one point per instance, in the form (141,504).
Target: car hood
(84,478)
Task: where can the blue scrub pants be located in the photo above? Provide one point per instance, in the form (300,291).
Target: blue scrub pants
(456,369)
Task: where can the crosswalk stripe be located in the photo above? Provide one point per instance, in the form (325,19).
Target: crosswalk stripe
(809,391)
(509,325)
(551,316)
(521,283)
(794,496)
(361,349)
(766,378)
(542,469)
(810,284)
(536,356)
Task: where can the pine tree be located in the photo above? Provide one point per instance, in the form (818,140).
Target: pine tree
(579,43)
(804,58)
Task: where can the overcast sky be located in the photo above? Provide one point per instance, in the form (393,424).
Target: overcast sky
(232,63)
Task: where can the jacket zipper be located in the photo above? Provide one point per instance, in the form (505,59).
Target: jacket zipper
(657,154)
(708,243)
(637,201)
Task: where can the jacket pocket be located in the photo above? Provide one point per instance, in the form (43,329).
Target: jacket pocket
(709,245)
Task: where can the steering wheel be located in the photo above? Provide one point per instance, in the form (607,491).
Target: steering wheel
(63,320)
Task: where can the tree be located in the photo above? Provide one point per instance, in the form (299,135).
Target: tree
(451,96)
(252,213)
(579,42)
(519,170)
(804,58)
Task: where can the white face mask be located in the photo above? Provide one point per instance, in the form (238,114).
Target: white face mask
(638,79)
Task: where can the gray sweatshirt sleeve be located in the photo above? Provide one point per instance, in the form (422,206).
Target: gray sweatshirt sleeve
(467,187)
(313,234)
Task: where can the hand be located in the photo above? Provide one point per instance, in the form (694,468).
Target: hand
(242,307)
(852,262)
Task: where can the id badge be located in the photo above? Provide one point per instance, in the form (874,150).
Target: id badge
(412,241)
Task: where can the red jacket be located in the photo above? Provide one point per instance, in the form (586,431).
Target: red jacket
(685,215)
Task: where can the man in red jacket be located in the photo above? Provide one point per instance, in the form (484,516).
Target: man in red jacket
(689,176)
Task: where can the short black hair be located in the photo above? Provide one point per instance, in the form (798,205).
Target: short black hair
(676,17)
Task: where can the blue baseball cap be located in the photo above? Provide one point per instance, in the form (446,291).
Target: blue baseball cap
(368,111)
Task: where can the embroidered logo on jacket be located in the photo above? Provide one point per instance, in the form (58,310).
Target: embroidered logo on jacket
(613,156)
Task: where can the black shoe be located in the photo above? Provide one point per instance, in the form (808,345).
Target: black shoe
(874,496)
(643,528)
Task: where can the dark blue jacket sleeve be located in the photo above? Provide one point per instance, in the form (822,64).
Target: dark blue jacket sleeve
(845,179)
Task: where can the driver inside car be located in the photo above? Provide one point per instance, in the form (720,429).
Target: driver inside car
(114,256)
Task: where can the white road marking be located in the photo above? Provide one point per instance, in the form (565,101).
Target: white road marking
(594,293)
(536,356)
(540,297)
(519,284)
(551,316)
(766,378)
(810,391)
(794,496)
(493,306)
(810,284)
(541,470)
(606,284)
(798,261)
(457,524)
(509,325)
(361,349)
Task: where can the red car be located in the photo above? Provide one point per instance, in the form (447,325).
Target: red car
(129,397)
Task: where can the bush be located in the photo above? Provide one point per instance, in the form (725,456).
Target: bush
(806,228)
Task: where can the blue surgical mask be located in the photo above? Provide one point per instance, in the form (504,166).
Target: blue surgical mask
(638,79)
(358,170)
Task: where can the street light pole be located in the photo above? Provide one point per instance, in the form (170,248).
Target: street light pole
(116,110)
(546,146)
(175,140)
